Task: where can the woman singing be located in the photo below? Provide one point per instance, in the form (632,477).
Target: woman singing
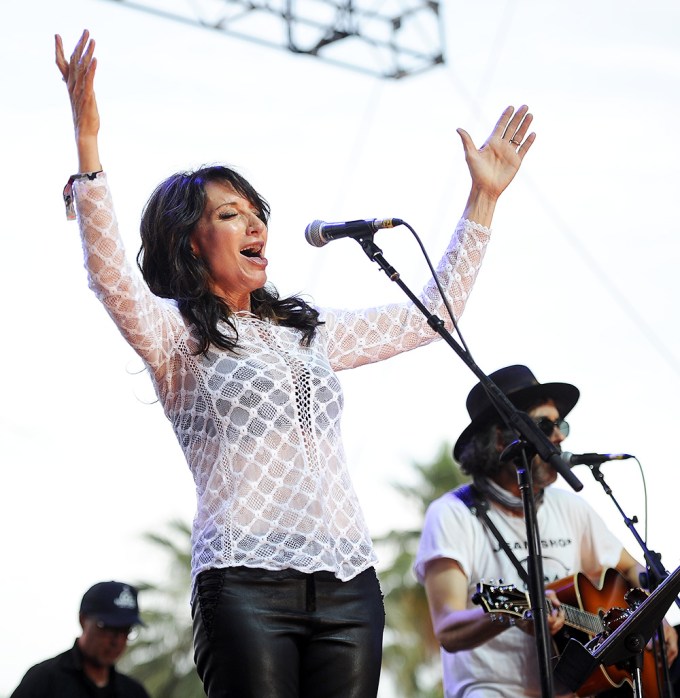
(285,598)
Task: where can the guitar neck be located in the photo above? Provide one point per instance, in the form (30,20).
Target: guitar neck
(506,599)
(584,621)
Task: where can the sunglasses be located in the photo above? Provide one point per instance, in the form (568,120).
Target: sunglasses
(130,632)
(547,426)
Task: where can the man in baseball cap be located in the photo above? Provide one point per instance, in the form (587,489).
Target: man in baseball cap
(109,613)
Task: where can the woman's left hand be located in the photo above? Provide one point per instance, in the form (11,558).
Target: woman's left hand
(494,165)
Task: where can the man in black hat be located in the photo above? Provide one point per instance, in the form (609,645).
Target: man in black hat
(108,614)
(486,655)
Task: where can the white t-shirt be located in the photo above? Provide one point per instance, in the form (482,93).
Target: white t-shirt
(573,539)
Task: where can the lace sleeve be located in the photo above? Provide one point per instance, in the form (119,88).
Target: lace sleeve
(359,337)
(146,321)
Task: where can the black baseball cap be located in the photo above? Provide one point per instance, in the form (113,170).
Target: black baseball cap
(112,603)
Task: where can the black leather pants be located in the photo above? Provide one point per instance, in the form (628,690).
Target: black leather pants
(287,634)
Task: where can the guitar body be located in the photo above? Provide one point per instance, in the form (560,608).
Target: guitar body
(578,591)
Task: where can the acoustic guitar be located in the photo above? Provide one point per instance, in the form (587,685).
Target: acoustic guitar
(586,610)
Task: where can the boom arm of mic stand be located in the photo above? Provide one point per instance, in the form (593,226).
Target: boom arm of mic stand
(522,423)
(654,565)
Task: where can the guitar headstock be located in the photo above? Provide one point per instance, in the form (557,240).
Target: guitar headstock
(502,599)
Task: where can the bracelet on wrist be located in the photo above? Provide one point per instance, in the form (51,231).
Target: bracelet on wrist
(69,200)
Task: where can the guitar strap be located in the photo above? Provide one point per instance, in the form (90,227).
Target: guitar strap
(479,507)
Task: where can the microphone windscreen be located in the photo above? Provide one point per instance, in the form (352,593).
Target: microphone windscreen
(313,234)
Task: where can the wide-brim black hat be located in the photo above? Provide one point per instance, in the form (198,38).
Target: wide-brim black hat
(522,388)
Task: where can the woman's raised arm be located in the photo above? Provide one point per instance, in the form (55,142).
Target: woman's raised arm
(78,74)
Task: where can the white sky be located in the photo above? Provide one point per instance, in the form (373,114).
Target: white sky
(580,281)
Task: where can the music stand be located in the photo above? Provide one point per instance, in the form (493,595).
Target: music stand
(626,643)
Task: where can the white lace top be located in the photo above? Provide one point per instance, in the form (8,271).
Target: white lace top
(260,428)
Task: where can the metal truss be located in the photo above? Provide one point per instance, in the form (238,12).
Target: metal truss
(386,38)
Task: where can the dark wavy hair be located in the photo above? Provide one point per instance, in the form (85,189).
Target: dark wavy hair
(479,456)
(171,269)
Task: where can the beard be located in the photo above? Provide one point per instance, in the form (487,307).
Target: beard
(542,473)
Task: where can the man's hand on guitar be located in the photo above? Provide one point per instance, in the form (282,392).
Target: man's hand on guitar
(555,615)
(671,637)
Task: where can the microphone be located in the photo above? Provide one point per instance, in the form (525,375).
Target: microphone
(320,233)
(573,459)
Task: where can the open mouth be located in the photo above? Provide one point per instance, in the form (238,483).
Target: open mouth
(254,250)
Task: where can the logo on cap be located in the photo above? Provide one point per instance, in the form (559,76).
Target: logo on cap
(126,599)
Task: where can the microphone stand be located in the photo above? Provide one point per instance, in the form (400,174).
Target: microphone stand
(533,441)
(656,572)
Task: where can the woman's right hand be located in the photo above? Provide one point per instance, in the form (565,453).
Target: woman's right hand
(78,74)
